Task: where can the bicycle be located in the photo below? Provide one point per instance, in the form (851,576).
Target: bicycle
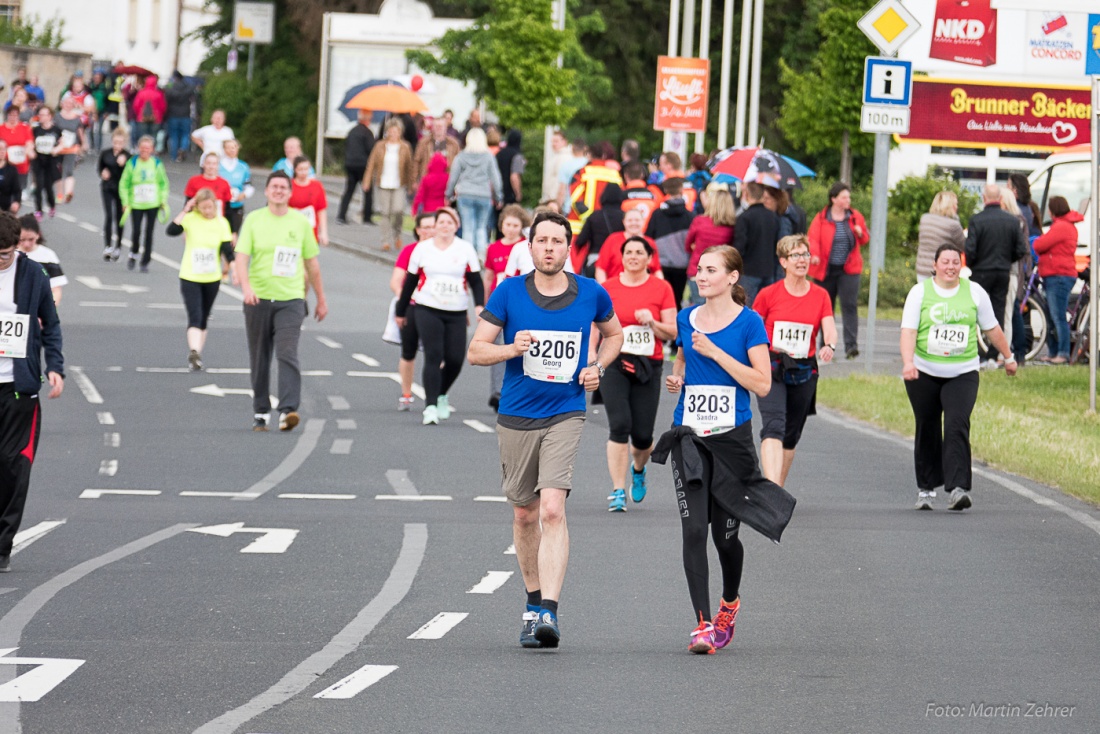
(1079,352)
(1033,309)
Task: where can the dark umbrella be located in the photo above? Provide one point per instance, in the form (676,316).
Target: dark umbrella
(353,114)
(126,69)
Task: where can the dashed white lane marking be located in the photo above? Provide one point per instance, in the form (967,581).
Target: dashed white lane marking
(108,467)
(25,537)
(479,426)
(66,217)
(346,424)
(114,369)
(417,390)
(112,440)
(104,304)
(357,682)
(209,494)
(162,370)
(341,446)
(306,496)
(95,494)
(368,361)
(89,227)
(165,306)
(86,387)
(337,402)
(438,626)
(490,498)
(511,550)
(105,419)
(493,580)
(330,343)
(415,498)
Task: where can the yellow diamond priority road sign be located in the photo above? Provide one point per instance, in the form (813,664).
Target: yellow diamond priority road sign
(888,25)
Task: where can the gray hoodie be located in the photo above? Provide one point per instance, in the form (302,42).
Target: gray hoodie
(474,175)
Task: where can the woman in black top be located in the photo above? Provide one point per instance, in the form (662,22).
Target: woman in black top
(47,169)
(109,166)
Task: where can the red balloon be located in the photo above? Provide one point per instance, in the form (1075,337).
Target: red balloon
(416,83)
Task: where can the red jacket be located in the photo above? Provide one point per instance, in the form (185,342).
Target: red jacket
(430,195)
(1057,247)
(156,100)
(822,230)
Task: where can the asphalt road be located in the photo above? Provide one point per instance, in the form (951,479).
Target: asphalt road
(357,611)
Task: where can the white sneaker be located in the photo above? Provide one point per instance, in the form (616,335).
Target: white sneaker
(924,500)
(960,499)
(431,416)
(443,407)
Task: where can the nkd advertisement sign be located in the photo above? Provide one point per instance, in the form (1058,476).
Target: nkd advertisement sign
(972,114)
(681,99)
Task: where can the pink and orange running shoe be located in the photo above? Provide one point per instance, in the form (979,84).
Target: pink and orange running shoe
(724,622)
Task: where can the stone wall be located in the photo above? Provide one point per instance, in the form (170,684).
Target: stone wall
(52,67)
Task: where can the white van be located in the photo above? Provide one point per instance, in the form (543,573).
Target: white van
(1067,174)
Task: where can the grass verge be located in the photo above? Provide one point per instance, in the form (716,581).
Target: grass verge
(1035,424)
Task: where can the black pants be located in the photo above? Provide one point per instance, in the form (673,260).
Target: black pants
(941,449)
(144,221)
(198,299)
(846,285)
(631,406)
(355,182)
(112,216)
(443,334)
(995,284)
(784,410)
(235,216)
(410,337)
(47,172)
(275,326)
(20,425)
(678,279)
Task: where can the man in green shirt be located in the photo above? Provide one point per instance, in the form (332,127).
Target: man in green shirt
(276,251)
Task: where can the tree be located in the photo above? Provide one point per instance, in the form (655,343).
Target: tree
(821,107)
(510,56)
(28,32)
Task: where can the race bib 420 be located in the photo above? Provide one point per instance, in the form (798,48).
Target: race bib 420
(13,335)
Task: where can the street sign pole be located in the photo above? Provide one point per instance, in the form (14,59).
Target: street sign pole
(879,192)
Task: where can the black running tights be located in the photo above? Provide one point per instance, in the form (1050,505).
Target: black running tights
(443,334)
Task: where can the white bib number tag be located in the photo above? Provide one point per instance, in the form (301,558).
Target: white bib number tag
(448,292)
(13,335)
(710,409)
(68,138)
(204,262)
(44,144)
(948,340)
(554,357)
(17,154)
(793,338)
(285,263)
(311,215)
(639,340)
(145,193)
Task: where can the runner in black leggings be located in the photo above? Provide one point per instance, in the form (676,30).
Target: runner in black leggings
(410,337)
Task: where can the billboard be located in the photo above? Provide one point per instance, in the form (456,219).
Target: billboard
(980,114)
(681,99)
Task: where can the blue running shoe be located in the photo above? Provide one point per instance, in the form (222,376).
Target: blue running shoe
(617,501)
(546,629)
(637,486)
(527,636)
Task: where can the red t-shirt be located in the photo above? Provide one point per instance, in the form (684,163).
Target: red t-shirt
(309,199)
(611,255)
(775,304)
(496,258)
(17,137)
(654,294)
(704,233)
(219,185)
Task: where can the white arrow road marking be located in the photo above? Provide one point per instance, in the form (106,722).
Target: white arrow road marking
(368,361)
(97,285)
(90,393)
(108,467)
(329,342)
(272,540)
(34,684)
(511,551)
(94,494)
(25,537)
(338,402)
(479,426)
(438,626)
(357,682)
(105,419)
(220,392)
(418,390)
(212,494)
(341,446)
(492,581)
(300,496)
(415,498)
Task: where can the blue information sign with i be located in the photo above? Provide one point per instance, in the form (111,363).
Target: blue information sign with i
(887,81)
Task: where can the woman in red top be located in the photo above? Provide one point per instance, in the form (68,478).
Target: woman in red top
(610,262)
(430,195)
(209,179)
(307,195)
(631,386)
(714,227)
(794,311)
(836,235)
(1058,269)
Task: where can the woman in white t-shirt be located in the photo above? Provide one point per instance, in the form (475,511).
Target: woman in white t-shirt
(212,138)
(444,272)
(939,354)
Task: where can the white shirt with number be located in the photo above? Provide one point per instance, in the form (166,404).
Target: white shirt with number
(553,356)
(520,261)
(910,319)
(8,320)
(213,140)
(443,274)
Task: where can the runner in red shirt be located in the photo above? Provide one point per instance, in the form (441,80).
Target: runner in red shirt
(794,312)
(18,136)
(409,336)
(631,386)
(209,179)
(307,195)
(610,262)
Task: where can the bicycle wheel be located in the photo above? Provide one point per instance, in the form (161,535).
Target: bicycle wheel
(1034,312)
(1079,348)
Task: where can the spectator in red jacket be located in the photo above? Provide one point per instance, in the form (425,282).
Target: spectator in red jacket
(1058,269)
(430,195)
(836,235)
(713,227)
(148,109)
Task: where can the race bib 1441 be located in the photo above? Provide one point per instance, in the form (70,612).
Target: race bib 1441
(793,338)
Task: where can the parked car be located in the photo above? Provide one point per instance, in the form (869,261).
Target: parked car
(1067,174)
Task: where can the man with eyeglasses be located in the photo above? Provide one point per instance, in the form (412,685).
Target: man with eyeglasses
(28,325)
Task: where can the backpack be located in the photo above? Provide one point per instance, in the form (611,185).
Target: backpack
(147,114)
